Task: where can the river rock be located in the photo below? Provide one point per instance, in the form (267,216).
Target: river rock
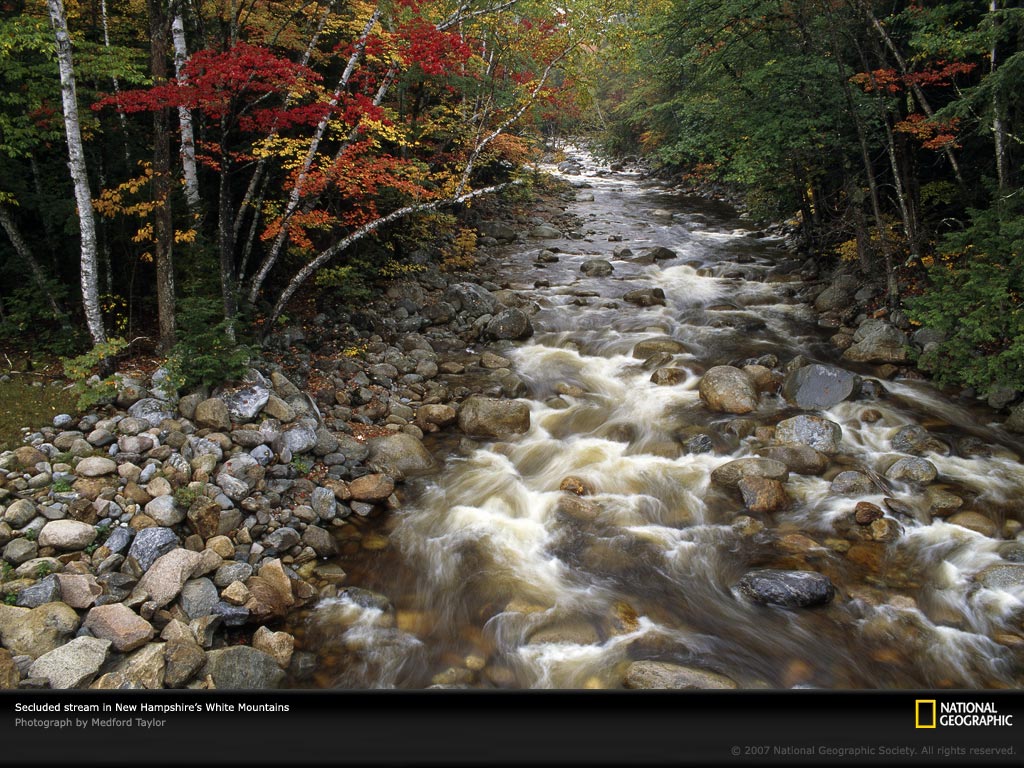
(67,534)
(1015,422)
(279,645)
(762,494)
(184,658)
(163,581)
(298,439)
(145,669)
(819,387)
(151,410)
(511,323)
(1001,576)
(247,470)
(545,232)
(73,665)
(213,414)
(662,345)
(645,297)
(876,341)
(43,591)
(596,268)
(372,488)
(788,589)
(473,299)
(835,297)
(35,631)
(852,483)
(819,433)
(165,511)
(802,459)
(669,377)
(728,390)
(975,521)
(246,403)
(916,440)
(399,455)
(320,540)
(865,513)
(78,590)
(664,675)
(499,230)
(119,624)
(95,466)
(20,551)
(150,543)
(496,418)
(242,667)
(729,474)
(912,469)
(19,513)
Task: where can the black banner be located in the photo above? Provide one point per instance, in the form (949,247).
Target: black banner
(483,728)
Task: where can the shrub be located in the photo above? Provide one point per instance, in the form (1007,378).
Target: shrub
(205,353)
(84,373)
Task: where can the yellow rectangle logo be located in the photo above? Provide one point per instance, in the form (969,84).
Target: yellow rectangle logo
(924,713)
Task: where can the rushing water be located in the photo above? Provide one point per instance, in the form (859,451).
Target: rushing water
(500,580)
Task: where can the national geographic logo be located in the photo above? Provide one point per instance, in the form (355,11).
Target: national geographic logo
(931,713)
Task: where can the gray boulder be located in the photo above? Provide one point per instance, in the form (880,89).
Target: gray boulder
(242,667)
(876,341)
(819,433)
(511,323)
(728,390)
(646,675)
(73,665)
(246,403)
(817,387)
(399,455)
(494,418)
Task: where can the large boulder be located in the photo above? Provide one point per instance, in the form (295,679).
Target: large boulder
(494,418)
(817,387)
(35,631)
(399,455)
(728,390)
(802,459)
(95,466)
(119,624)
(819,433)
(876,341)
(73,665)
(67,534)
(596,268)
(246,403)
(163,581)
(151,410)
(473,299)
(916,440)
(912,469)
(788,589)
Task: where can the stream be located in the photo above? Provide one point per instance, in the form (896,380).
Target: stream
(496,578)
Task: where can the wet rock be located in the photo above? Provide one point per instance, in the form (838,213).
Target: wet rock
(852,483)
(119,624)
(885,529)
(916,440)
(243,667)
(762,494)
(567,631)
(67,534)
(1015,422)
(729,474)
(819,433)
(545,232)
(912,469)
(662,345)
(1000,576)
(975,521)
(865,513)
(596,268)
(494,418)
(943,503)
(372,488)
(876,341)
(669,377)
(788,589)
(511,323)
(73,665)
(320,541)
(645,297)
(660,253)
(728,390)
(802,459)
(35,631)
(646,675)
(435,415)
(95,466)
(819,387)
(399,455)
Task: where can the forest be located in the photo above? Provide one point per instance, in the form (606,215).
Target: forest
(174,174)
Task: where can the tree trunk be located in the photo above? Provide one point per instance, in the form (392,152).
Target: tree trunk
(188,139)
(163,225)
(25,253)
(79,173)
(998,108)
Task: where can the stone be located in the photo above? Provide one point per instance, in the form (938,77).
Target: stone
(819,387)
(10,675)
(67,535)
(150,543)
(213,414)
(852,483)
(198,597)
(762,494)
(399,456)
(646,675)
(508,324)
(35,631)
(44,591)
(1001,576)
(817,432)
(545,232)
(876,341)
(645,297)
(246,403)
(95,466)
(282,539)
(78,590)
(726,389)
(787,589)
(320,540)
(912,469)
(119,624)
(487,417)
(324,503)
(471,298)
(244,468)
(373,487)
(669,377)
(1015,422)
(279,645)
(163,581)
(729,474)
(276,408)
(802,459)
(916,440)
(151,410)
(20,550)
(436,414)
(596,268)
(975,521)
(144,669)
(165,511)
(73,665)
(19,513)
(183,659)
(298,439)
(865,513)
(835,297)
(243,667)
(647,348)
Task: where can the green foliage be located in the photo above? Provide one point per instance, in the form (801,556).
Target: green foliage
(186,497)
(102,534)
(62,485)
(301,464)
(86,384)
(205,353)
(975,298)
(43,570)
(32,534)
(27,315)
(5,570)
(10,598)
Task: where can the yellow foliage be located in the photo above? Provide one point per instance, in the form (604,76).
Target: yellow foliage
(461,252)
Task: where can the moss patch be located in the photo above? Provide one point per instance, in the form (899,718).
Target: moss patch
(22,405)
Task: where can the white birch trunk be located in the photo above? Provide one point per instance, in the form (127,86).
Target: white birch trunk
(188,139)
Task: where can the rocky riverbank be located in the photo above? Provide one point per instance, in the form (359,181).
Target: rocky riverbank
(155,542)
